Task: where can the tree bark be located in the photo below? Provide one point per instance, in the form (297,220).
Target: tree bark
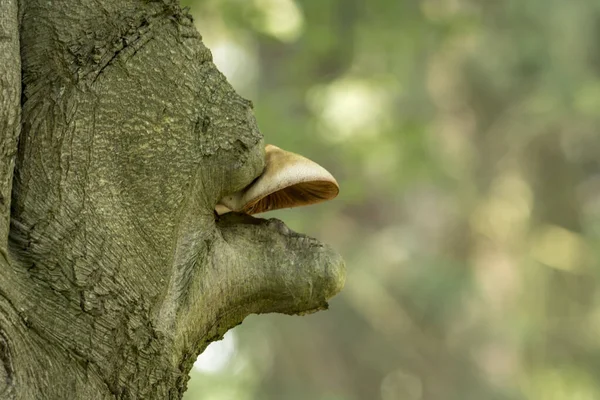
(116,271)
(10,108)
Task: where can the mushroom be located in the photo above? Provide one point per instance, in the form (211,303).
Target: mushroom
(288,180)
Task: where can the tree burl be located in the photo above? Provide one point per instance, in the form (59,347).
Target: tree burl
(116,271)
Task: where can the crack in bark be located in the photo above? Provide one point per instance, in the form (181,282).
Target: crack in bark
(126,43)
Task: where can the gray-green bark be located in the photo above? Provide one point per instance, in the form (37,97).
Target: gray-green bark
(116,272)
(10,110)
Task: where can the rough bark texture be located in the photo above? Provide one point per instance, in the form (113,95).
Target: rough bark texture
(116,272)
(10,108)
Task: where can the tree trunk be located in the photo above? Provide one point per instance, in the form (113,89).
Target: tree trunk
(116,271)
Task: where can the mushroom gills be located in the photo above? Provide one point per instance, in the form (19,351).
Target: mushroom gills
(288,180)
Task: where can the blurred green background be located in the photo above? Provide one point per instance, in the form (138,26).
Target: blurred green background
(465,138)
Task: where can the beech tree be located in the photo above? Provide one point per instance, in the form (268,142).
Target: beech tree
(119,139)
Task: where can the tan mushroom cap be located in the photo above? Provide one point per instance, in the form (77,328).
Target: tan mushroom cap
(288,180)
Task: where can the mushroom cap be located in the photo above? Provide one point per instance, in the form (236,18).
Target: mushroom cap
(288,180)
